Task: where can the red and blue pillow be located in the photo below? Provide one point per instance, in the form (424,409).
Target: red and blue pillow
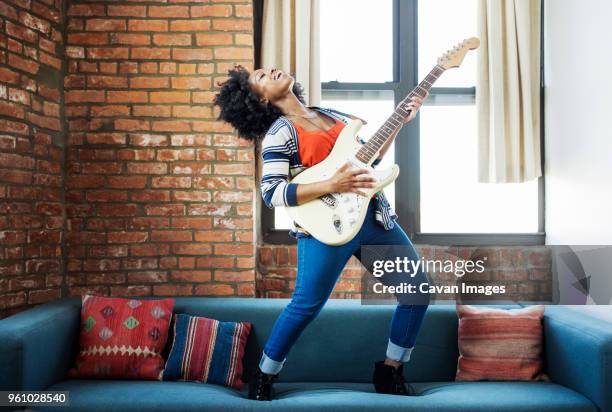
(207,350)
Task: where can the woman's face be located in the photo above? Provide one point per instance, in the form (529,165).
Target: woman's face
(271,84)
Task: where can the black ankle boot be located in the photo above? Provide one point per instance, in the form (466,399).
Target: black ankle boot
(388,379)
(260,386)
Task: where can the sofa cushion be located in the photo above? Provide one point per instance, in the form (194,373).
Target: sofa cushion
(146,396)
(498,344)
(206,350)
(122,338)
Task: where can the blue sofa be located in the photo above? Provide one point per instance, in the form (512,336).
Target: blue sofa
(329,368)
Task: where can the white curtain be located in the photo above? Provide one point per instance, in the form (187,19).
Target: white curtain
(508,90)
(290,42)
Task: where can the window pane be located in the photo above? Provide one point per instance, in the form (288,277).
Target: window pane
(443,24)
(372,106)
(356,41)
(452,200)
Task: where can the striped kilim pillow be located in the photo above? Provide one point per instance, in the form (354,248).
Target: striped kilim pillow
(207,350)
(498,344)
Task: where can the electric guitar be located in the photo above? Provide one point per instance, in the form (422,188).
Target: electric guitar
(335,218)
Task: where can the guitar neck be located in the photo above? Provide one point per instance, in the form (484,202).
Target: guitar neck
(397,118)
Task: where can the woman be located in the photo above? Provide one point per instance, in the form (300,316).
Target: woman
(268,104)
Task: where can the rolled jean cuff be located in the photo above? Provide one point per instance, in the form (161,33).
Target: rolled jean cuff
(270,366)
(398,353)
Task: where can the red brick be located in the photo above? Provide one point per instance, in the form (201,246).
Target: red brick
(191,196)
(27,65)
(192,222)
(168,11)
(115,96)
(147,277)
(214,236)
(105,25)
(148,25)
(107,53)
(132,125)
(203,97)
(191,275)
(233,53)
(233,249)
(88,38)
(170,97)
(241,10)
(86,10)
(12,110)
(171,126)
(129,11)
(191,25)
(171,182)
(191,249)
(8,76)
(199,82)
(41,296)
(8,11)
(232,25)
(210,39)
(172,290)
(130,38)
(150,53)
(149,82)
(127,237)
(103,82)
(193,54)
(165,210)
(211,11)
(21,32)
(214,289)
(35,23)
(234,276)
(172,39)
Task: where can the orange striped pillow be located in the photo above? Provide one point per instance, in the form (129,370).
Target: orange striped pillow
(500,344)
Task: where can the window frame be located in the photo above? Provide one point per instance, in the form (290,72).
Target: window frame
(407,207)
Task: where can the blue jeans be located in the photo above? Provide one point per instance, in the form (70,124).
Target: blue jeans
(319,267)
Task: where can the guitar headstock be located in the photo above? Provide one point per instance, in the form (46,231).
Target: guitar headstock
(454,57)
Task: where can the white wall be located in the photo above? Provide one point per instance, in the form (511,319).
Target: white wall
(578,142)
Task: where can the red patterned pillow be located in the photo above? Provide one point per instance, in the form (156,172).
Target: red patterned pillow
(122,338)
(498,344)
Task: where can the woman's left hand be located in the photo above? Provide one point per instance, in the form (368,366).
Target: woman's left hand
(414,105)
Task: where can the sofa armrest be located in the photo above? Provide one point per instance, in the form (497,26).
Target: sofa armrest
(578,351)
(37,346)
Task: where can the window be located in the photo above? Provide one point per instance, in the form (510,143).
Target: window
(436,196)
(452,200)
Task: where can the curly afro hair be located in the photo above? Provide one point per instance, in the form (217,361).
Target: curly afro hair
(241,107)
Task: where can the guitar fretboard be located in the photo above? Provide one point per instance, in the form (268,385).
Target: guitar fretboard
(396,120)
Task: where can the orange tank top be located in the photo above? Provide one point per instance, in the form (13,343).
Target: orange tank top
(315,145)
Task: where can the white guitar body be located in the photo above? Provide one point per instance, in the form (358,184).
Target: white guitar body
(335,219)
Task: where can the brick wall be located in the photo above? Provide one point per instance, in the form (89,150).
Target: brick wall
(159,194)
(31,153)
(524,270)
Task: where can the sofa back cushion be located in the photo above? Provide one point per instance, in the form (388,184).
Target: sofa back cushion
(497,344)
(342,343)
(122,338)
(206,350)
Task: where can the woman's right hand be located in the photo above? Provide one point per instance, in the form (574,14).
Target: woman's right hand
(350,180)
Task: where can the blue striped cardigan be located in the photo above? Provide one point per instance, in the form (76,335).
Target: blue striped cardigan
(281,163)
